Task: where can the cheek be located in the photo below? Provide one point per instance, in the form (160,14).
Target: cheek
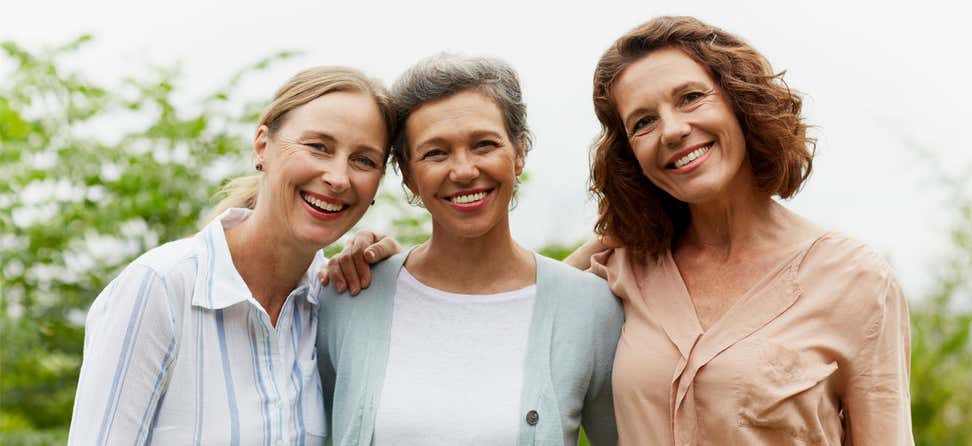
(645,153)
(366,184)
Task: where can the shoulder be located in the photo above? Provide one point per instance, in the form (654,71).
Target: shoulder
(838,257)
(170,257)
(847,274)
(162,274)
(384,276)
(580,290)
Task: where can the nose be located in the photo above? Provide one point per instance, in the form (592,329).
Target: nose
(675,127)
(335,175)
(463,169)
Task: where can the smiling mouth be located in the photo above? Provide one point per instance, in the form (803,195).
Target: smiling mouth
(689,157)
(469,198)
(321,205)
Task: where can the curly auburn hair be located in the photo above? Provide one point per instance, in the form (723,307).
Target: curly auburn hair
(646,219)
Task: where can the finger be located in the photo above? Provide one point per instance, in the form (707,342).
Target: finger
(363,270)
(355,251)
(334,274)
(350,274)
(381,250)
(322,276)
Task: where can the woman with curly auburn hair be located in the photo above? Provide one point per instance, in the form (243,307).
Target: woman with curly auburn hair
(744,322)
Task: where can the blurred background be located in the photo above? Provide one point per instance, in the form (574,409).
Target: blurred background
(119,120)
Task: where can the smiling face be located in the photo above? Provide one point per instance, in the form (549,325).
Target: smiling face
(682,128)
(322,166)
(463,164)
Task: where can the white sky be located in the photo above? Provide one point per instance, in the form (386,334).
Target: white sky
(882,80)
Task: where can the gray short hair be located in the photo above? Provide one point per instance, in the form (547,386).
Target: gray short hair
(444,75)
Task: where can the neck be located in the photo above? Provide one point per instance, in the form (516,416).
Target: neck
(270,264)
(491,263)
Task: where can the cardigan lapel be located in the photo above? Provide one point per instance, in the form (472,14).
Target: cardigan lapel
(537,382)
(373,318)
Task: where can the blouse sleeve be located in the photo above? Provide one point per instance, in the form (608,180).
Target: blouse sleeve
(877,402)
(129,344)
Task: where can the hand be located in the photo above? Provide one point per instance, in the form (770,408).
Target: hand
(350,269)
(581,257)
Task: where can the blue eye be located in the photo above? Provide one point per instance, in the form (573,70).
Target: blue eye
(320,147)
(365,161)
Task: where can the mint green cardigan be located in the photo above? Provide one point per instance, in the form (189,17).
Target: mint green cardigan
(567,373)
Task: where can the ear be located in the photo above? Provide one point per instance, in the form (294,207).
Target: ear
(520,159)
(407,179)
(260,143)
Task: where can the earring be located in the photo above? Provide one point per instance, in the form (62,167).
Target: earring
(259,166)
(372,202)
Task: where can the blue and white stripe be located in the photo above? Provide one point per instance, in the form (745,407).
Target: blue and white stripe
(177,351)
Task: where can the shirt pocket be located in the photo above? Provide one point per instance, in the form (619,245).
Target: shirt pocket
(312,400)
(784,392)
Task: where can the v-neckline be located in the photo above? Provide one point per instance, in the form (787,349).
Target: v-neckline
(764,281)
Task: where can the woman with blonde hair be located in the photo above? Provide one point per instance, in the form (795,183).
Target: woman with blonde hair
(211,339)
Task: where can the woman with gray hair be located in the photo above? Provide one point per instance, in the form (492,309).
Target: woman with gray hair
(469,338)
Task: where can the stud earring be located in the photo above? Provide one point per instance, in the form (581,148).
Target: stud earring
(259,166)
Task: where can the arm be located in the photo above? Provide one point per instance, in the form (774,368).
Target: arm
(350,269)
(877,401)
(129,344)
(597,416)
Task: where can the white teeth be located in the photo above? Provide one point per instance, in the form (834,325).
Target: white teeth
(463,199)
(330,207)
(692,156)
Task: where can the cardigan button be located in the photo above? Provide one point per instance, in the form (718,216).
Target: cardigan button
(532,417)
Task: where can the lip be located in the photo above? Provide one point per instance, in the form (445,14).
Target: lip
(694,164)
(469,207)
(322,215)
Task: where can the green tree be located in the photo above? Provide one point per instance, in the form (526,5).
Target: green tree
(941,359)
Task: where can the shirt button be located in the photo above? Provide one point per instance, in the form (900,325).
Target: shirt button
(532,417)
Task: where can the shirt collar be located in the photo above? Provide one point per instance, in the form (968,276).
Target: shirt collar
(219,284)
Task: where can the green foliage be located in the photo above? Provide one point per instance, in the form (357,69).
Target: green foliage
(941,359)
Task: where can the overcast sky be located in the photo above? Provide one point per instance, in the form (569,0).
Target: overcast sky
(885,85)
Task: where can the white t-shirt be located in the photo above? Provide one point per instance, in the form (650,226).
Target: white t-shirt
(455,367)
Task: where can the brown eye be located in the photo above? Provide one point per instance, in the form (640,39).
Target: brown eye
(642,123)
(432,153)
(692,97)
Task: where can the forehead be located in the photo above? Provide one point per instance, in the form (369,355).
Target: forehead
(656,75)
(453,117)
(350,115)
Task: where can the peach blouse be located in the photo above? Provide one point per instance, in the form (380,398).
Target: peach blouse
(817,352)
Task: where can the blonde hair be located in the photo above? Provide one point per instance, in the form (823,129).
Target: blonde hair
(303,87)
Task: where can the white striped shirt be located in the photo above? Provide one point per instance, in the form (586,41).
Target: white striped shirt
(177,351)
